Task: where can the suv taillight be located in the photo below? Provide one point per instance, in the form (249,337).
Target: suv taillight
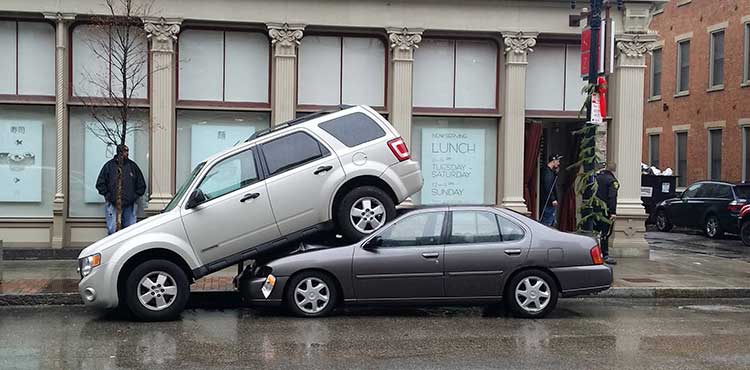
(735,206)
(596,255)
(399,149)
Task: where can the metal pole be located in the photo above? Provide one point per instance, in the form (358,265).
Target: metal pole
(595,24)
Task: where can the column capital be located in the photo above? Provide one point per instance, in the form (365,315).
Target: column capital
(162,32)
(403,41)
(633,48)
(60,17)
(518,45)
(285,37)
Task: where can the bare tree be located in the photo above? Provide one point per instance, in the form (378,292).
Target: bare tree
(118,41)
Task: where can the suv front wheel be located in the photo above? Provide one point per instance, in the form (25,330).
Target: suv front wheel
(362,211)
(157,290)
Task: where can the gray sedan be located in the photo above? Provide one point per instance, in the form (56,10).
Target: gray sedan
(446,255)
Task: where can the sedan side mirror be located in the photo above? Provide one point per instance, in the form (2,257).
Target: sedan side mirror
(373,243)
(196,197)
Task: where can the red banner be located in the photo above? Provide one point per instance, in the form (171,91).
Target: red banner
(586,52)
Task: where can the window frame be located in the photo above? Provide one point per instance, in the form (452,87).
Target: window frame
(259,173)
(678,79)
(745,152)
(449,230)
(679,171)
(651,139)
(311,108)
(712,85)
(326,152)
(31,99)
(746,54)
(711,132)
(222,104)
(652,73)
(442,238)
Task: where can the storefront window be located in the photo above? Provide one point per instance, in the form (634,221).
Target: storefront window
(88,153)
(458,157)
(27,160)
(201,134)
(27,61)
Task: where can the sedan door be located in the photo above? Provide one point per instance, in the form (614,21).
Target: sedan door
(481,249)
(406,264)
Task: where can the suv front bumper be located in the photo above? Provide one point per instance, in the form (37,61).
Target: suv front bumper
(97,282)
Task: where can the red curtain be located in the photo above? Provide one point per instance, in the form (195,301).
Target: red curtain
(533,135)
(567,208)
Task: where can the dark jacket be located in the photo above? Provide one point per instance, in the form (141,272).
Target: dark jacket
(607,190)
(548,180)
(133,184)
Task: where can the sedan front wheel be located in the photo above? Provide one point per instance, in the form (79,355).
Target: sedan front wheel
(311,294)
(531,294)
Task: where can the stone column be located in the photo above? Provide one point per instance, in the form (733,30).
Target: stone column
(163,35)
(510,162)
(626,135)
(403,42)
(59,207)
(284,40)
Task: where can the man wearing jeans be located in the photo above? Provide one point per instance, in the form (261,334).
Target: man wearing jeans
(133,187)
(549,193)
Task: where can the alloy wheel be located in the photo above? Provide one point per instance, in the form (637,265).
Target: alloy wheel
(661,221)
(712,225)
(312,295)
(367,215)
(157,290)
(533,294)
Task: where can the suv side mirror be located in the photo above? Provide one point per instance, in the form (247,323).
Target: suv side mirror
(373,243)
(196,197)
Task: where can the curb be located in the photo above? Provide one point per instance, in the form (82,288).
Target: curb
(224,299)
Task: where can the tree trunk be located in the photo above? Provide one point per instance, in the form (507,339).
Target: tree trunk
(118,201)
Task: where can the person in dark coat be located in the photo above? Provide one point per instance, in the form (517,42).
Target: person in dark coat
(549,192)
(133,187)
(607,192)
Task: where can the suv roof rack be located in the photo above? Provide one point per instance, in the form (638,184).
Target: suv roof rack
(297,121)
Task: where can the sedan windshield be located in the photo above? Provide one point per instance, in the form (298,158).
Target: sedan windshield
(181,191)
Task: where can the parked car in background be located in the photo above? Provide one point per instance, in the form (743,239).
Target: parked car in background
(443,255)
(712,206)
(344,169)
(743,222)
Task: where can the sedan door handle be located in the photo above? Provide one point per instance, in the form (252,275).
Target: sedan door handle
(249,196)
(512,252)
(322,169)
(431,255)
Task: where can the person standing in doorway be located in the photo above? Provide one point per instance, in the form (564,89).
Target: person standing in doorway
(133,187)
(549,189)
(607,191)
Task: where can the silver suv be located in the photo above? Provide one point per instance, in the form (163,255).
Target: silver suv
(344,169)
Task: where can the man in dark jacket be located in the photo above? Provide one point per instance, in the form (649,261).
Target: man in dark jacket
(133,187)
(549,193)
(607,192)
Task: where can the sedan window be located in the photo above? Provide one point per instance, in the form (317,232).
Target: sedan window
(474,227)
(509,230)
(415,230)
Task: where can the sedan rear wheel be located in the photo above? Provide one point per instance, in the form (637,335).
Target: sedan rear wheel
(531,294)
(311,294)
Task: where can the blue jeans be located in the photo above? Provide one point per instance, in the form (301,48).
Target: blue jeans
(128,216)
(548,215)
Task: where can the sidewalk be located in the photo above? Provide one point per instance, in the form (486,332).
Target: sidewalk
(680,266)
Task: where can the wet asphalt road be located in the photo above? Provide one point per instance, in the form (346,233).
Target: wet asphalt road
(582,334)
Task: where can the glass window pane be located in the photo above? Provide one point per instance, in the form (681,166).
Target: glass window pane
(415,230)
(88,153)
(476,74)
(474,227)
(201,134)
(509,230)
(656,73)
(36,58)
(235,172)
(247,56)
(27,160)
(290,151)
(363,71)
(433,74)
(90,71)
(742,191)
(684,62)
(136,69)
(681,138)
(746,154)
(458,158)
(8,57)
(717,74)
(353,129)
(545,78)
(653,141)
(320,71)
(574,84)
(201,65)
(693,190)
(715,146)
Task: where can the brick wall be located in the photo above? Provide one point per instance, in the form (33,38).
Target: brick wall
(701,106)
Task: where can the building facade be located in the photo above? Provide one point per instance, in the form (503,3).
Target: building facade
(447,75)
(697,121)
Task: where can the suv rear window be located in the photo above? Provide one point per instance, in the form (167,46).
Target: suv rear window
(742,191)
(353,129)
(291,151)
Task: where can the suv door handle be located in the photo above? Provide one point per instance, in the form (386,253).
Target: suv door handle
(512,252)
(431,255)
(322,169)
(249,196)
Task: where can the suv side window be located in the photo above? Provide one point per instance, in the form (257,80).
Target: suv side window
(291,151)
(724,192)
(509,230)
(353,129)
(474,227)
(417,230)
(692,191)
(230,174)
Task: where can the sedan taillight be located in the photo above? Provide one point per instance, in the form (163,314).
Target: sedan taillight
(399,149)
(596,255)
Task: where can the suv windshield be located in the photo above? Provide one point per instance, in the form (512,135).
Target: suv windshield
(185,185)
(742,191)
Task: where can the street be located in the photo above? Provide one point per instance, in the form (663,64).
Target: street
(580,334)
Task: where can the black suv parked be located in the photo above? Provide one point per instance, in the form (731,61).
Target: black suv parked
(712,206)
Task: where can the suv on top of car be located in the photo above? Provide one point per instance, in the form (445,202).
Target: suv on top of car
(345,168)
(712,206)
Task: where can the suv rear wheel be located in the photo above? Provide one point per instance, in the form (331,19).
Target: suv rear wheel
(362,211)
(662,222)
(713,228)
(157,290)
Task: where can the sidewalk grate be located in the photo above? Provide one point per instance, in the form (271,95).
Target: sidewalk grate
(640,280)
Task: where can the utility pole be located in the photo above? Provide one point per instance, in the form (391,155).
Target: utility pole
(595,25)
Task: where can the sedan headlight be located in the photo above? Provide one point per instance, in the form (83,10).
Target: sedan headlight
(86,264)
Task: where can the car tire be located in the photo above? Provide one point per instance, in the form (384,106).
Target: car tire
(311,294)
(662,221)
(745,233)
(712,227)
(362,211)
(525,296)
(157,290)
